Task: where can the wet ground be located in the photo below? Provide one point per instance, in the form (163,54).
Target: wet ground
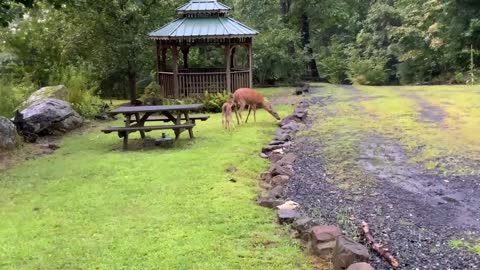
(417,213)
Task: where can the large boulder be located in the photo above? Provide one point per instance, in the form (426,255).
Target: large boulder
(56,92)
(8,134)
(49,116)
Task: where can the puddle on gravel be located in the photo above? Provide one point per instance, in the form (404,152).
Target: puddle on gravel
(440,200)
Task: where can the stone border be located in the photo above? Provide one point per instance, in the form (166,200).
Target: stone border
(325,242)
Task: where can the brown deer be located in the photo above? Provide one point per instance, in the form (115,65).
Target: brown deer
(227,109)
(244,97)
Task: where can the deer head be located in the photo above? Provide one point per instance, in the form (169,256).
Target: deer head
(269,109)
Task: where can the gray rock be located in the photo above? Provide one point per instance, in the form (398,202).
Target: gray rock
(288,159)
(283,137)
(280,180)
(324,250)
(348,252)
(292,126)
(277,192)
(325,233)
(231,169)
(263,155)
(270,203)
(274,157)
(303,224)
(287,120)
(56,92)
(50,116)
(8,134)
(301,113)
(287,216)
(276,169)
(270,148)
(361,266)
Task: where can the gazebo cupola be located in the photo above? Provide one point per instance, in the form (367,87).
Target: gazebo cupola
(202,23)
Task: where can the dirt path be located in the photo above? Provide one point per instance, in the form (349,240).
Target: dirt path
(415,212)
(428,111)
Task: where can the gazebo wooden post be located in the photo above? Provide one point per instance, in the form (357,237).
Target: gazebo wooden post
(159,60)
(163,64)
(228,67)
(232,58)
(175,71)
(185,51)
(250,62)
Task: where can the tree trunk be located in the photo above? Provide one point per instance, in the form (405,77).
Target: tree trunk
(132,84)
(312,71)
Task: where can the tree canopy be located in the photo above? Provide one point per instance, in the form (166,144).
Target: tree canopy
(342,41)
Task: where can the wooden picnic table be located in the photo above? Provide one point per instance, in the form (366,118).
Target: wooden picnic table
(176,114)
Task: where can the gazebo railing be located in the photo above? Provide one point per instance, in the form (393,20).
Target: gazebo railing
(240,79)
(193,84)
(166,84)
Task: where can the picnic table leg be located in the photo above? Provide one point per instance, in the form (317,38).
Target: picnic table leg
(139,122)
(178,122)
(125,135)
(190,130)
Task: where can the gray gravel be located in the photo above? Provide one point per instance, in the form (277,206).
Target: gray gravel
(413,212)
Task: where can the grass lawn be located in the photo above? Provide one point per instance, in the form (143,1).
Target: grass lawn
(90,205)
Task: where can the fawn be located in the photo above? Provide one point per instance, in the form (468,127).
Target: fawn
(244,97)
(227,109)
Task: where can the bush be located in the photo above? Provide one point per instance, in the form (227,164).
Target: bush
(11,97)
(213,102)
(81,87)
(333,62)
(152,95)
(367,71)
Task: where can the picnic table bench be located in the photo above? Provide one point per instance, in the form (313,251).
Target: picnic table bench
(162,118)
(137,116)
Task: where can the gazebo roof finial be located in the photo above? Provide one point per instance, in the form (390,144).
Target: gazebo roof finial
(203,6)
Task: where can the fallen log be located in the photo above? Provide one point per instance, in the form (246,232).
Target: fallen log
(379,248)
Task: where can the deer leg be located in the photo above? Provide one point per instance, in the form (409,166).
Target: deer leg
(249,111)
(255,114)
(241,109)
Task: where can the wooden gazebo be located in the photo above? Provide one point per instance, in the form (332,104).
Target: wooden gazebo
(202,23)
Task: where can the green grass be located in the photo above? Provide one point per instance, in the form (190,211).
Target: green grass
(461,244)
(90,205)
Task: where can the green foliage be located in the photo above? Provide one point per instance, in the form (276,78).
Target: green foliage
(472,72)
(80,88)
(367,71)
(334,62)
(213,102)
(12,96)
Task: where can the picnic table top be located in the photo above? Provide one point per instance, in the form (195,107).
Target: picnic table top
(152,109)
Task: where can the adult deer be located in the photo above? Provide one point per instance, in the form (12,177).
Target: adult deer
(244,97)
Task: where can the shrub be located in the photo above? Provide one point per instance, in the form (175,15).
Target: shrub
(213,102)
(333,62)
(11,97)
(81,87)
(152,95)
(367,71)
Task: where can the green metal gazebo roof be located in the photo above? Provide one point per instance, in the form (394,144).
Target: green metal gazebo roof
(212,23)
(219,27)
